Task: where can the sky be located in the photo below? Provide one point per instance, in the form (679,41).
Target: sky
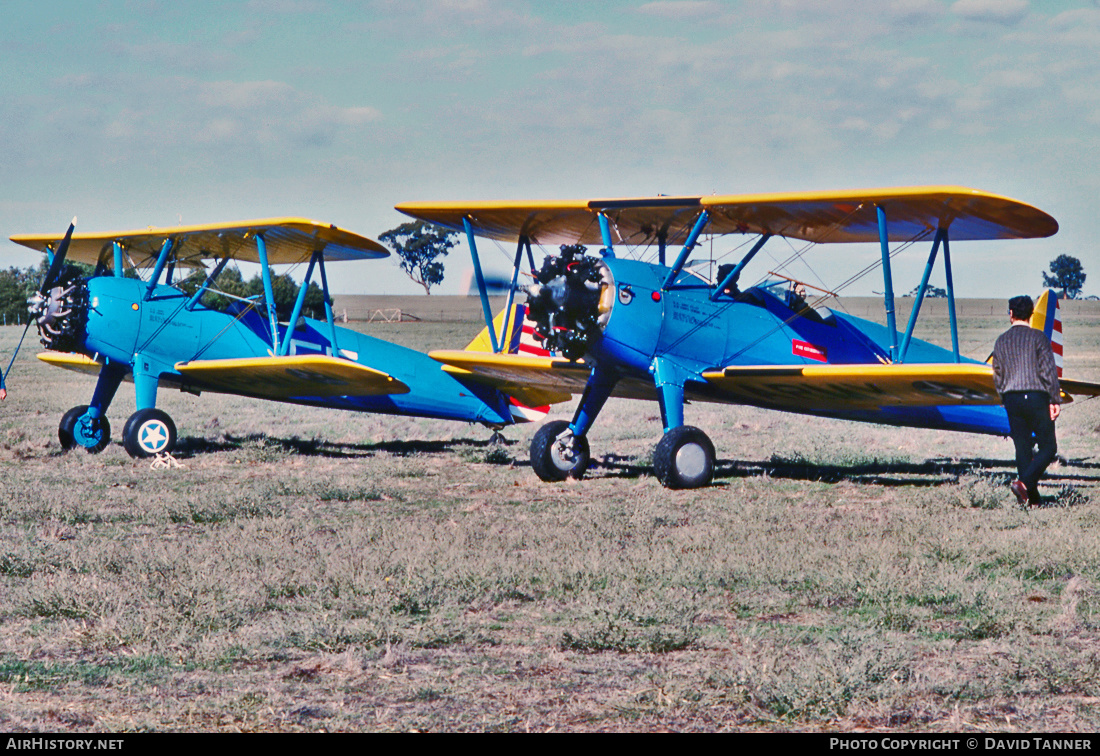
(136,113)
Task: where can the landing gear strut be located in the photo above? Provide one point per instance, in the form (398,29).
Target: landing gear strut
(684,458)
(556,454)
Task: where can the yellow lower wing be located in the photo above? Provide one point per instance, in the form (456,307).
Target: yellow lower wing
(854,387)
(290,377)
(71,361)
(535,381)
(531,379)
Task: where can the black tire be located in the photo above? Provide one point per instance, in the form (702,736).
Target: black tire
(65,427)
(684,458)
(68,436)
(149,432)
(555,460)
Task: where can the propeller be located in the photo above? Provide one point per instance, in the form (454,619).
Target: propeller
(58,260)
(47,305)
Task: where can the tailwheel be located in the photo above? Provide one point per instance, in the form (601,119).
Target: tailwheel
(77,429)
(556,454)
(149,432)
(684,458)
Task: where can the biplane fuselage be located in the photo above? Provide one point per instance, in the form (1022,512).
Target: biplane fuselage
(697,333)
(156,334)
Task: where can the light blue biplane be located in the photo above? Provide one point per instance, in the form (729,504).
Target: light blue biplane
(643,328)
(157,335)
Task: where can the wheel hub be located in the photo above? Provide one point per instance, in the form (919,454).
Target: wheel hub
(153,437)
(691,460)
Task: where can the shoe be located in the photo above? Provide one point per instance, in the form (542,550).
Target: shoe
(1020,491)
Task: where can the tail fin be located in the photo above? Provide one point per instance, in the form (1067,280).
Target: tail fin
(1047,318)
(519,339)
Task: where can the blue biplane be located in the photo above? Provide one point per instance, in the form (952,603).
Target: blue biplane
(624,327)
(157,335)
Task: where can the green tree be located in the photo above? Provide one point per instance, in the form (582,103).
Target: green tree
(1067,275)
(286,292)
(418,246)
(932,292)
(15,287)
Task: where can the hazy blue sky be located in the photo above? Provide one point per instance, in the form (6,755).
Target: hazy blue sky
(140,113)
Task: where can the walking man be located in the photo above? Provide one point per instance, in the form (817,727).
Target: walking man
(1025,376)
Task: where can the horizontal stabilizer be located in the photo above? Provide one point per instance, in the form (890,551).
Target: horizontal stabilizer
(289,377)
(288,240)
(1079,388)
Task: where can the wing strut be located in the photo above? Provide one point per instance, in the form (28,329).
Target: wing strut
(194,300)
(328,307)
(941,235)
(486,310)
(269,290)
(117,248)
(605,233)
(162,258)
(951,297)
(300,300)
(888,282)
(506,325)
(733,274)
(689,244)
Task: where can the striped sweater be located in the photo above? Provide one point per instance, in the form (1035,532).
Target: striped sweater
(1023,361)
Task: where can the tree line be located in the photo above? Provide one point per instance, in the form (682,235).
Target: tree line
(18,284)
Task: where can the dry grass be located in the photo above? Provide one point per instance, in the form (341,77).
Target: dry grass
(315,570)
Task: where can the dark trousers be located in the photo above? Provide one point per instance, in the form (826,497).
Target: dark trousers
(1030,425)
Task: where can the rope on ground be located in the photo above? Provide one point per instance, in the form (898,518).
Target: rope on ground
(165,460)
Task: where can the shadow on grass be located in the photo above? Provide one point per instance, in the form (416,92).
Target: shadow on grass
(932,472)
(190,446)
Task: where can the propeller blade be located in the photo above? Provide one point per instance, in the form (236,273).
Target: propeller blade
(58,260)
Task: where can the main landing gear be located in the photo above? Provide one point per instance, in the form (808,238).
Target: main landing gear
(78,428)
(556,454)
(684,458)
(147,433)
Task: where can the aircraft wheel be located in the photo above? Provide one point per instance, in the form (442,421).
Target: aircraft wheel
(684,458)
(556,454)
(149,432)
(75,430)
(65,427)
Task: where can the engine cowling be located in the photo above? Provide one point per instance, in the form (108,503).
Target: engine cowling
(61,313)
(571,301)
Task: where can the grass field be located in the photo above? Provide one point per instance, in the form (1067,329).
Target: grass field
(315,570)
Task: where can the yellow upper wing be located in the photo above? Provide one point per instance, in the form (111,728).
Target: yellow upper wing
(822,217)
(289,377)
(288,240)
